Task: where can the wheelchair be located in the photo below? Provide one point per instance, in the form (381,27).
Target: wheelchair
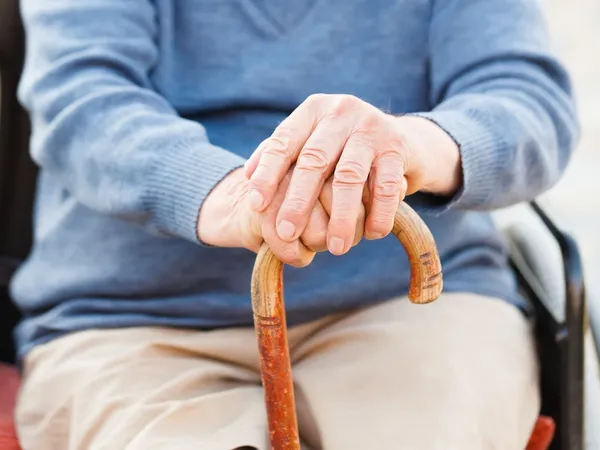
(546,261)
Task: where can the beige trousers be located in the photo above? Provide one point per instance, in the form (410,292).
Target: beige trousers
(458,374)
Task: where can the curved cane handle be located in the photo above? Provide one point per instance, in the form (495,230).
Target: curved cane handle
(425,267)
(271,330)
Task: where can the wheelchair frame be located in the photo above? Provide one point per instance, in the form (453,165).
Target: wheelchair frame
(560,342)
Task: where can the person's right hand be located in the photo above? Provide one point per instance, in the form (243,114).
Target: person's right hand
(227,220)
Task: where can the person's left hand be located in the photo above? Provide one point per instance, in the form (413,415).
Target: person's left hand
(343,136)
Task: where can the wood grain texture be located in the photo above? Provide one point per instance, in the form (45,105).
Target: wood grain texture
(275,365)
(426,281)
(270,322)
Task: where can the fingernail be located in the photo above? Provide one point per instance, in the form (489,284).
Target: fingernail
(336,245)
(286,230)
(256,200)
(372,236)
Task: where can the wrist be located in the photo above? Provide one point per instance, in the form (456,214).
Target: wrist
(218,219)
(439,153)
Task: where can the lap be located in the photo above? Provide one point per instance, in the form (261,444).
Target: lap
(459,373)
(139,389)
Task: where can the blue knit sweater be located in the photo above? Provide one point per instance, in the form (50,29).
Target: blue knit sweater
(139,107)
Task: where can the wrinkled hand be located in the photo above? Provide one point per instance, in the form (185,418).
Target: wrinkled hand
(226,220)
(372,157)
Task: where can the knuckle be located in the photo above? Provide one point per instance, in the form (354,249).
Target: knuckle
(316,97)
(278,144)
(343,104)
(388,189)
(397,139)
(381,224)
(364,138)
(350,172)
(296,205)
(344,210)
(399,152)
(392,154)
(341,224)
(316,100)
(313,158)
(348,99)
(370,119)
(262,179)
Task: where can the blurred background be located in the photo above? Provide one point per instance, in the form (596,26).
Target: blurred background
(576,30)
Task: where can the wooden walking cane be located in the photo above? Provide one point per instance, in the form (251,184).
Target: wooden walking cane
(270,323)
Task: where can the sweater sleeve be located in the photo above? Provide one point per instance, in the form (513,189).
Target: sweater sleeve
(504,98)
(99,126)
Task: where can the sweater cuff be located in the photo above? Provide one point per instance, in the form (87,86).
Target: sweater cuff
(180,181)
(482,166)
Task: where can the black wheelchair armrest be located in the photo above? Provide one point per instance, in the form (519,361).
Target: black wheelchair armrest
(10,48)
(560,336)
(9,314)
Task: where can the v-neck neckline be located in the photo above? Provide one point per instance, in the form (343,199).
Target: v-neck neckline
(278,15)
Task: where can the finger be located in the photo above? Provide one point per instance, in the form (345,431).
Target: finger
(366,197)
(349,179)
(326,199)
(280,151)
(387,187)
(252,162)
(359,231)
(294,253)
(314,236)
(315,163)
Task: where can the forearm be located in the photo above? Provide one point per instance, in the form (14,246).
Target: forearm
(118,155)
(99,128)
(498,91)
(515,135)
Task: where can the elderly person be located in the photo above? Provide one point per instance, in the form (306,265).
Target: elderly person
(175,137)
